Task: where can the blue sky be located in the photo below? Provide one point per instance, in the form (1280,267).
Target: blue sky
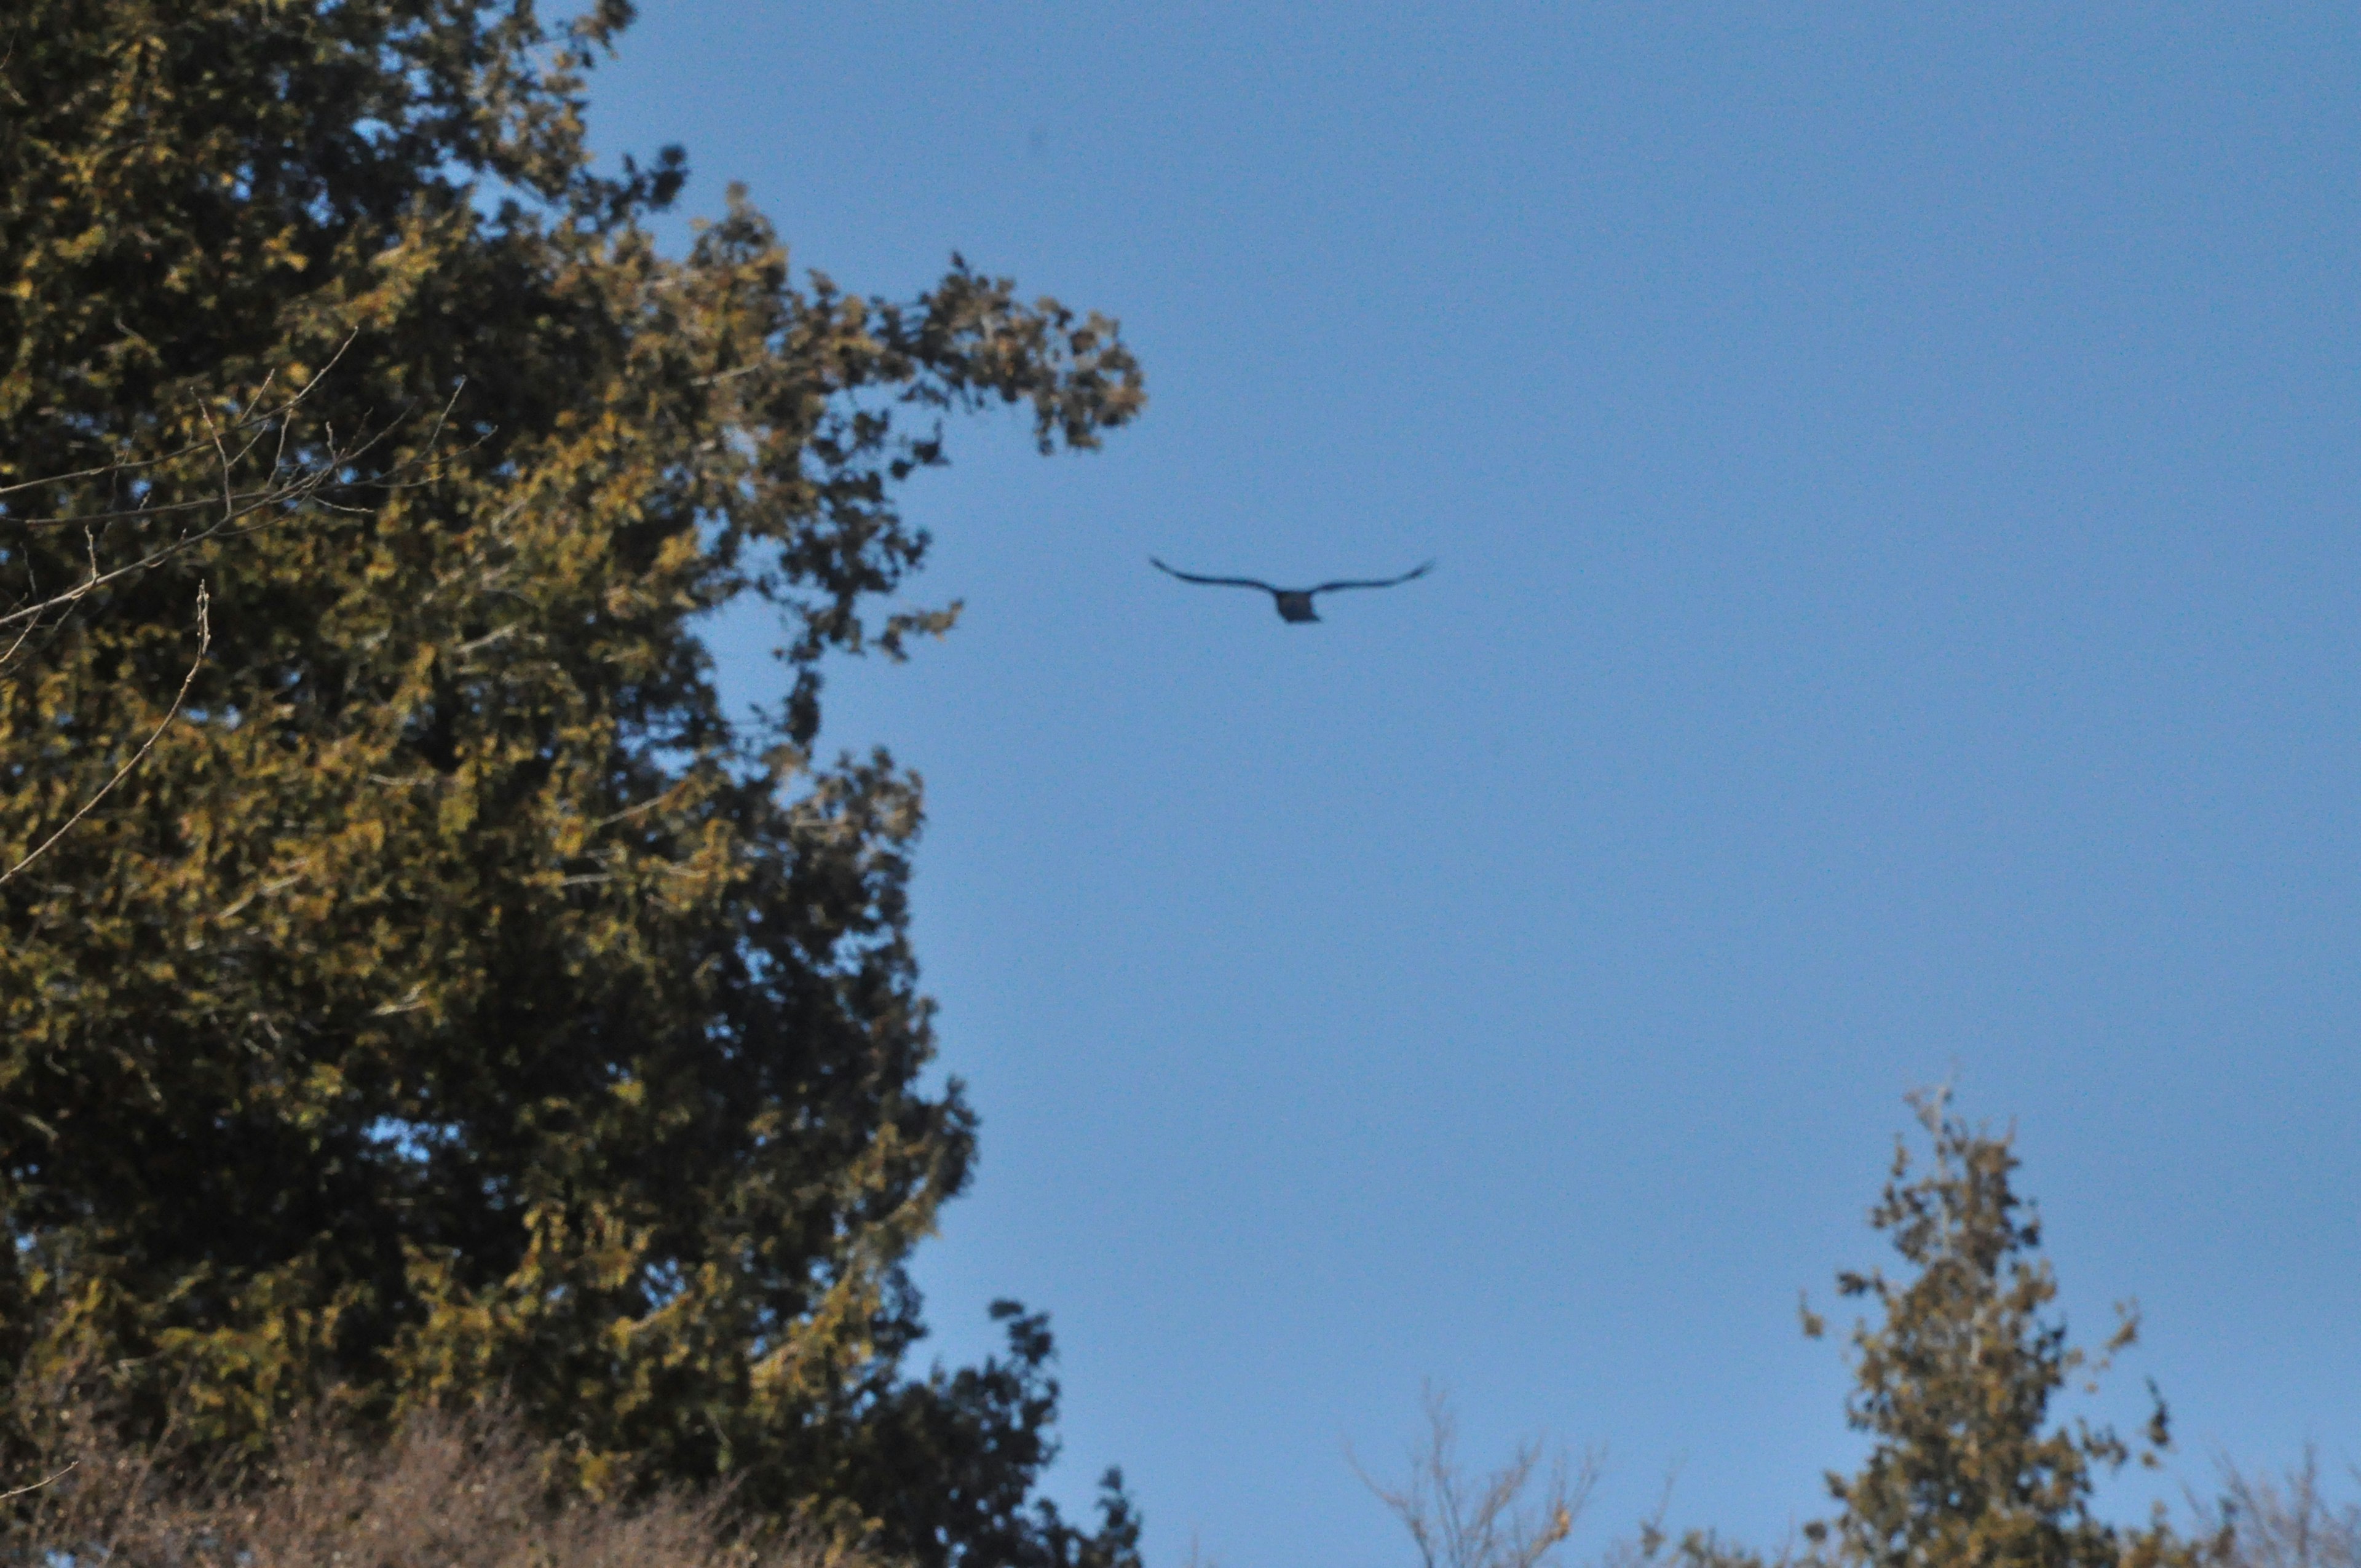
(1893,472)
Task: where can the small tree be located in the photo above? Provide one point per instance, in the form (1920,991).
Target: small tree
(1955,1385)
(1459,1519)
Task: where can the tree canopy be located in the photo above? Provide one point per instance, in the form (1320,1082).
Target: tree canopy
(454,997)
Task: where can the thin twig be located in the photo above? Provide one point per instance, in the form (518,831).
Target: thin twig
(306,486)
(31,625)
(150,559)
(129,464)
(204,642)
(39,1485)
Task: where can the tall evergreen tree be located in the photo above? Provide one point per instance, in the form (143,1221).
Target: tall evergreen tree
(453,997)
(1954,1383)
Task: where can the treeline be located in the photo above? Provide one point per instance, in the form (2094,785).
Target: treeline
(1958,1367)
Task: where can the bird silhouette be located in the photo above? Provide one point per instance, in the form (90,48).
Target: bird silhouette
(1295,604)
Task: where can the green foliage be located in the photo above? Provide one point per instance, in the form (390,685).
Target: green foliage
(1954,1385)
(455,998)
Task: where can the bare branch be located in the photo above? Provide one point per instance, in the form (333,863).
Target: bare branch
(204,642)
(2285,1521)
(313,481)
(39,1485)
(1461,1521)
(260,417)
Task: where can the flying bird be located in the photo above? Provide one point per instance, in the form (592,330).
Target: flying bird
(1295,604)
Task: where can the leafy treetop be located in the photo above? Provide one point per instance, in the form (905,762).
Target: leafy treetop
(1954,1385)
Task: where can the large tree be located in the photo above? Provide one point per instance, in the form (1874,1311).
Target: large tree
(453,997)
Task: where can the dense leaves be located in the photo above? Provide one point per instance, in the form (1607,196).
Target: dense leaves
(455,997)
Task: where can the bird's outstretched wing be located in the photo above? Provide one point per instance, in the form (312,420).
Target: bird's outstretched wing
(1383,583)
(1216,582)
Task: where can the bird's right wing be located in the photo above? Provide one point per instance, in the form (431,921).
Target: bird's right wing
(1379,583)
(1216,582)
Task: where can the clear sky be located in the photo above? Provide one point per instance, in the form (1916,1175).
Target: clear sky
(1895,474)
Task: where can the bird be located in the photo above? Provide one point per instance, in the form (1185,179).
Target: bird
(1295,604)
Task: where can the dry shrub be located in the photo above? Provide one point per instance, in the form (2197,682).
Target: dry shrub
(1460,1519)
(448,1491)
(2286,1521)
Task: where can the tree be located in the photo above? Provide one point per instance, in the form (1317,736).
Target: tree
(1459,1519)
(1954,1385)
(455,998)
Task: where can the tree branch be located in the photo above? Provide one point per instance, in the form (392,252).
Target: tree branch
(204,642)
